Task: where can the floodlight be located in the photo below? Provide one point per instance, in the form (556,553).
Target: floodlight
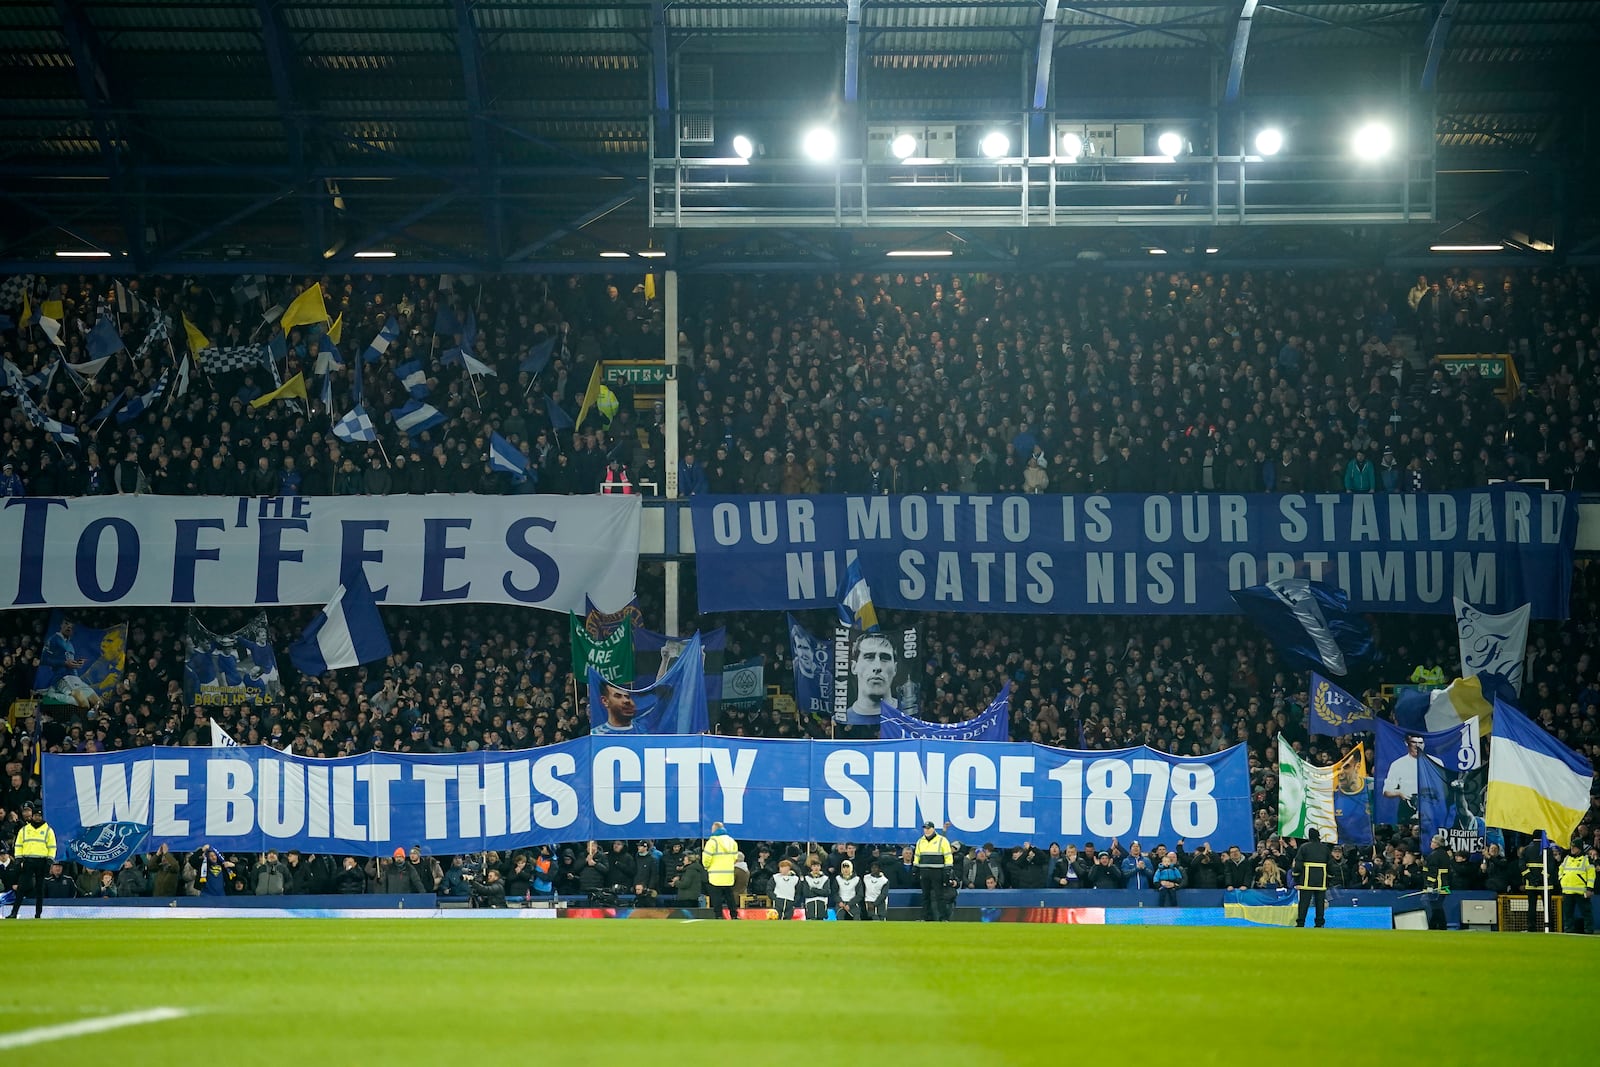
(1071,145)
(742,147)
(903,146)
(1269,142)
(820,144)
(1373,140)
(994,144)
(1170,144)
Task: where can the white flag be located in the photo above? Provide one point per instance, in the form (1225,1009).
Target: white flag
(1492,644)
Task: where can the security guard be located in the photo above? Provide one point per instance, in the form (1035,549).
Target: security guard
(934,863)
(1535,882)
(720,857)
(1431,675)
(1311,877)
(35,848)
(1577,889)
(1440,865)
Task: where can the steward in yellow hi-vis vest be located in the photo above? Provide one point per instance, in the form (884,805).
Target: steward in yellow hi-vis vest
(1310,871)
(1440,866)
(1577,890)
(1536,881)
(35,848)
(720,857)
(935,863)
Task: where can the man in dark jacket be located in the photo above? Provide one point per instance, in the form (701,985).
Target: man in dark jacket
(1311,862)
(1203,869)
(1105,874)
(1237,869)
(396,875)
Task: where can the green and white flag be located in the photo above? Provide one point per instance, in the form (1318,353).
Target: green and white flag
(1305,796)
(611,656)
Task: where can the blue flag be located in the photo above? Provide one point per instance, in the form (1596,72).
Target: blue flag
(675,703)
(855,599)
(505,458)
(1437,779)
(813,670)
(445,321)
(80,665)
(380,344)
(103,340)
(413,378)
(1311,623)
(538,357)
(993,724)
(559,419)
(106,845)
(654,653)
(346,633)
(1332,712)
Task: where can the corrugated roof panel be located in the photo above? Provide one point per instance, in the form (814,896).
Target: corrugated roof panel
(582,43)
(392,16)
(930,16)
(712,17)
(524,18)
(117,16)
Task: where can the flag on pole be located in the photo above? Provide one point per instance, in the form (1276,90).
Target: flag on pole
(1492,644)
(1305,796)
(413,378)
(380,344)
(445,322)
(505,458)
(416,416)
(104,340)
(1535,782)
(180,386)
(1311,623)
(538,357)
(197,340)
(336,331)
(591,394)
(356,425)
(220,737)
(306,309)
(142,401)
(346,633)
(1332,712)
(855,599)
(559,419)
(294,387)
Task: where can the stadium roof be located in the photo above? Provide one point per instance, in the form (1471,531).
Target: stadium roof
(495,132)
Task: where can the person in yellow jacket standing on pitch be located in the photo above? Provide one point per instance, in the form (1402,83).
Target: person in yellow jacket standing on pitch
(1577,890)
(35,848)
(720,857)
(935,864)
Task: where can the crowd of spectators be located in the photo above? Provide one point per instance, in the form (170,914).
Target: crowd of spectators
(888,383)
(1229,380)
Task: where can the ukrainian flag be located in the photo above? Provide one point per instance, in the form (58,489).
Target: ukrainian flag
(1535,782)
(855,604)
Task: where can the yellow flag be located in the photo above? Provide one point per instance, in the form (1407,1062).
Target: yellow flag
(649,286)
(295,386)
(197,341)
(336,329)
(591,394)
(53,309)
(27,308)
(306,309)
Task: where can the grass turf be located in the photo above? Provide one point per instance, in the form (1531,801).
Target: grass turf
(608,992)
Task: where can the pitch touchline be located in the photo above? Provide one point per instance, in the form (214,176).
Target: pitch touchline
(40,1034)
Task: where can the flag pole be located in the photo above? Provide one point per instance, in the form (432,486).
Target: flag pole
(473,380)
(1544,866)
(379,442)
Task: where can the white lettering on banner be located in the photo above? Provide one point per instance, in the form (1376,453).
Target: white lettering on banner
(167,796)
(114,798)
(539,551)
(230,805)
(1107,809)
(561,808)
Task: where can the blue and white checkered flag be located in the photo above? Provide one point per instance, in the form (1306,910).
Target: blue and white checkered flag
(356,425)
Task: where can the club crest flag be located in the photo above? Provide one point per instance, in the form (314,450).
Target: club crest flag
(1492,644)
(611,656)
(1306,794)
(105,846)
(1332,712)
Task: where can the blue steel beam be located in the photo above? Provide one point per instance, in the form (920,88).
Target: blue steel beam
(88,63)
(281,64)
(661,78)
(852,50)
(1436,41)
(472,77)
(1241,48)
(1045,56)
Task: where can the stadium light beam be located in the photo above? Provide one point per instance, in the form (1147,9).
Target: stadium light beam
(1071,146)
(1467,248)
(1269,142)
(743,147)
(820,144)
(375,254)
(68,253)
(903,146)
(1170,144)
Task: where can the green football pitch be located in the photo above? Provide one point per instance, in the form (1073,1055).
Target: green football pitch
(667,991)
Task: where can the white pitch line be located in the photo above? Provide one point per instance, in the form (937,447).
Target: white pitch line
(40,1034)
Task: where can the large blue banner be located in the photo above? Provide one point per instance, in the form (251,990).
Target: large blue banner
(1132,554)
(255,798)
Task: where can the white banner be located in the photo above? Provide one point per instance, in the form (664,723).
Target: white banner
(531,551)
(1492,644)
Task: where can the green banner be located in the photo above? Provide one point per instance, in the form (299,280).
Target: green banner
(611,656)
